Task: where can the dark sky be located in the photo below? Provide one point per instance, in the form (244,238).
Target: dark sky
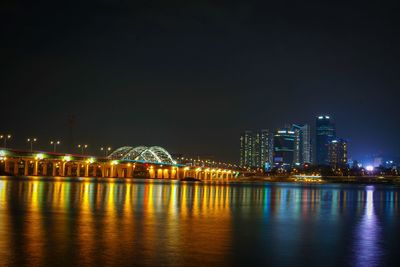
(191,75)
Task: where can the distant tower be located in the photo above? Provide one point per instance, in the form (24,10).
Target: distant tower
(325,132)
(302,152)
(255,149)
(265,147)
(256,162)
(246,149)
(337,151)
(284,147)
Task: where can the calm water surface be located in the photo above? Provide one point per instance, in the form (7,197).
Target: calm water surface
(153,223)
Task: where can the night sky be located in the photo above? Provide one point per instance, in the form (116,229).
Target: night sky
(192,75)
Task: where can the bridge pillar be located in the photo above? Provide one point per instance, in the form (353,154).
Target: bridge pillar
(112,171)
(26,168)
(35,168)
(94,170)
(54,173)
(86,170)
(62,170)
(159,174)
(174,173)
(166,174)
(44,168)
(152,173)
(78,170)
(129,171)
(179,173)
(69,170)
(7,165)
(16,167)
(103,170)
(118,171)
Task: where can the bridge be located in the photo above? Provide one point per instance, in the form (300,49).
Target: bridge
(126,162)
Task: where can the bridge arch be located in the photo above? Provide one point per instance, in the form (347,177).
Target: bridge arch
(154,154)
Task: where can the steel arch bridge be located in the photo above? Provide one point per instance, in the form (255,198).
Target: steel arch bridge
(154,154)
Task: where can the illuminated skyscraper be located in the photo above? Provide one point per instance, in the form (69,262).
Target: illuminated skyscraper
(255,149)
(337,153)
(302,153)
(325,132)
(246,149)
(284,146)
(265,148)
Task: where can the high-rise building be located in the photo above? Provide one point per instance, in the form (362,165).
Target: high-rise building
(302,153)
(284,146)
(265,147)
(325,132)
(246,149)
(337,153)
(255,149)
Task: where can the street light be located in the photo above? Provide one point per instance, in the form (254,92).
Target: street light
(83,147)
(106,150)
(54,143)
(31,140)
(5,137)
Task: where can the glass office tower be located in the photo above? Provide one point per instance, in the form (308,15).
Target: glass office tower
(325,132)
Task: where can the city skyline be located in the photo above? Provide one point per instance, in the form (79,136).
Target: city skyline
(19,142)
(293,145)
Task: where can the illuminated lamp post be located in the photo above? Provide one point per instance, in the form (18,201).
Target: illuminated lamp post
(31,140)
(55,144)
(106,150)
(5,137)
(82,147)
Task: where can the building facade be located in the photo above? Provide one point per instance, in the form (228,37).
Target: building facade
(246,149)
(255,149)
(285,141)
(302,153)
(337,152)
(325,133)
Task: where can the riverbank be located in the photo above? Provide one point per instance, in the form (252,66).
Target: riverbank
(392,180)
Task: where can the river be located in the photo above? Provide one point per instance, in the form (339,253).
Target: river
(70,222)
